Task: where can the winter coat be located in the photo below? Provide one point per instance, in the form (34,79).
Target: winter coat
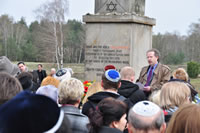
(161,75)
(131,91)
(78,121)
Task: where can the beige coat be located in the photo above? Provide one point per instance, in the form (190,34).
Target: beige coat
(161,75)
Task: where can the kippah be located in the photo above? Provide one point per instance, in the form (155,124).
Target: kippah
(109,67)
(146,108)
(61,72)
(112,75)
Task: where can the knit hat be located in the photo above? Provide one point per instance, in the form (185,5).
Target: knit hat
(146,108)
(30,113)
(64,74)
(112,75)
(49,80)
(49,91)
(109,67)
(7,66)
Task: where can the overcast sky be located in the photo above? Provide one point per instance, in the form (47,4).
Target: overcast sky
(170,15)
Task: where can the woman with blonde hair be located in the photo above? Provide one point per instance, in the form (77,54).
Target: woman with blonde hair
(172,96)
(181,75)
(185,120)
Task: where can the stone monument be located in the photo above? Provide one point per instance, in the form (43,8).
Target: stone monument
(118,34)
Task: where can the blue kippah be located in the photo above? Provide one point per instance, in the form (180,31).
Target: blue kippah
(112,75)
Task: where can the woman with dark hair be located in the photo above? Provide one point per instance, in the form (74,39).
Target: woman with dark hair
(109,117)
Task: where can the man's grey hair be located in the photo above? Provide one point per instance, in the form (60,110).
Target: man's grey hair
(139,124)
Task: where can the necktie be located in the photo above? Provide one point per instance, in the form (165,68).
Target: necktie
(149,77)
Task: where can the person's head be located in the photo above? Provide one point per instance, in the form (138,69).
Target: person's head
(94,88)
(156,97)
(7,66)
(40,67)
(174,94)
(31,113)
(53,71)
(64,74)
(49,91)
(70,91)
(111,79)
(146,117)
(108,67)
(153,56)
(127,73)
(22,66)
(50,81)
(109,112)
(26,80)
(9,87)
(185,120)
(181,74)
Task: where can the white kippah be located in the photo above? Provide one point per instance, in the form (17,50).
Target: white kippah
(146,108)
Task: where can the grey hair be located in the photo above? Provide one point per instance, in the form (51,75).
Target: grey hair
(156,53)
(138,124)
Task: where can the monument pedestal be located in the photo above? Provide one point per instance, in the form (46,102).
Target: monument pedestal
(117,39)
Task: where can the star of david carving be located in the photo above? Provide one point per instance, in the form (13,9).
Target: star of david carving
(111,7)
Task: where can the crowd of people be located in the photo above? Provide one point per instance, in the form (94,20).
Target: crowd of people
(158,102)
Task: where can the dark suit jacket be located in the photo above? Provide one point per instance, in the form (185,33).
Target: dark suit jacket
(41,75)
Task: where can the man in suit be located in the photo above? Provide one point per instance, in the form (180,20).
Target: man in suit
(41,73)
(155,74)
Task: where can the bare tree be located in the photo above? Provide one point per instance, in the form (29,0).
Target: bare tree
(6,30)
(53,14)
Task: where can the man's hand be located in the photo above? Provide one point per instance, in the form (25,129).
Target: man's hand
(147,88)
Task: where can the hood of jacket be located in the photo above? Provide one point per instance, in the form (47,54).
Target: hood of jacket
(97,97)
(127,88)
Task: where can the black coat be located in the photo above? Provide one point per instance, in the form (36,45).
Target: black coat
(96,98)
(105,129)
(131,91)
(41,75)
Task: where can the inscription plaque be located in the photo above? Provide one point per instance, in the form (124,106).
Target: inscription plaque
(98,56)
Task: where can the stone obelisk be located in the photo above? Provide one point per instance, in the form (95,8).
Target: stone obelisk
(118,33)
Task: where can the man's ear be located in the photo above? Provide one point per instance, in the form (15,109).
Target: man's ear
(132,78)
(101,83)
(163,128)
(119,84)
(114,124)
(130,130)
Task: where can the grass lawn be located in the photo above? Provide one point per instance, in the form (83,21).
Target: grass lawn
(196,83)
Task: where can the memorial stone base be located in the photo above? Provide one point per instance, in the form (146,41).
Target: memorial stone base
(120,40)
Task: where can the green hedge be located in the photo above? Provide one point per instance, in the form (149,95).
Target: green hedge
(193,69)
